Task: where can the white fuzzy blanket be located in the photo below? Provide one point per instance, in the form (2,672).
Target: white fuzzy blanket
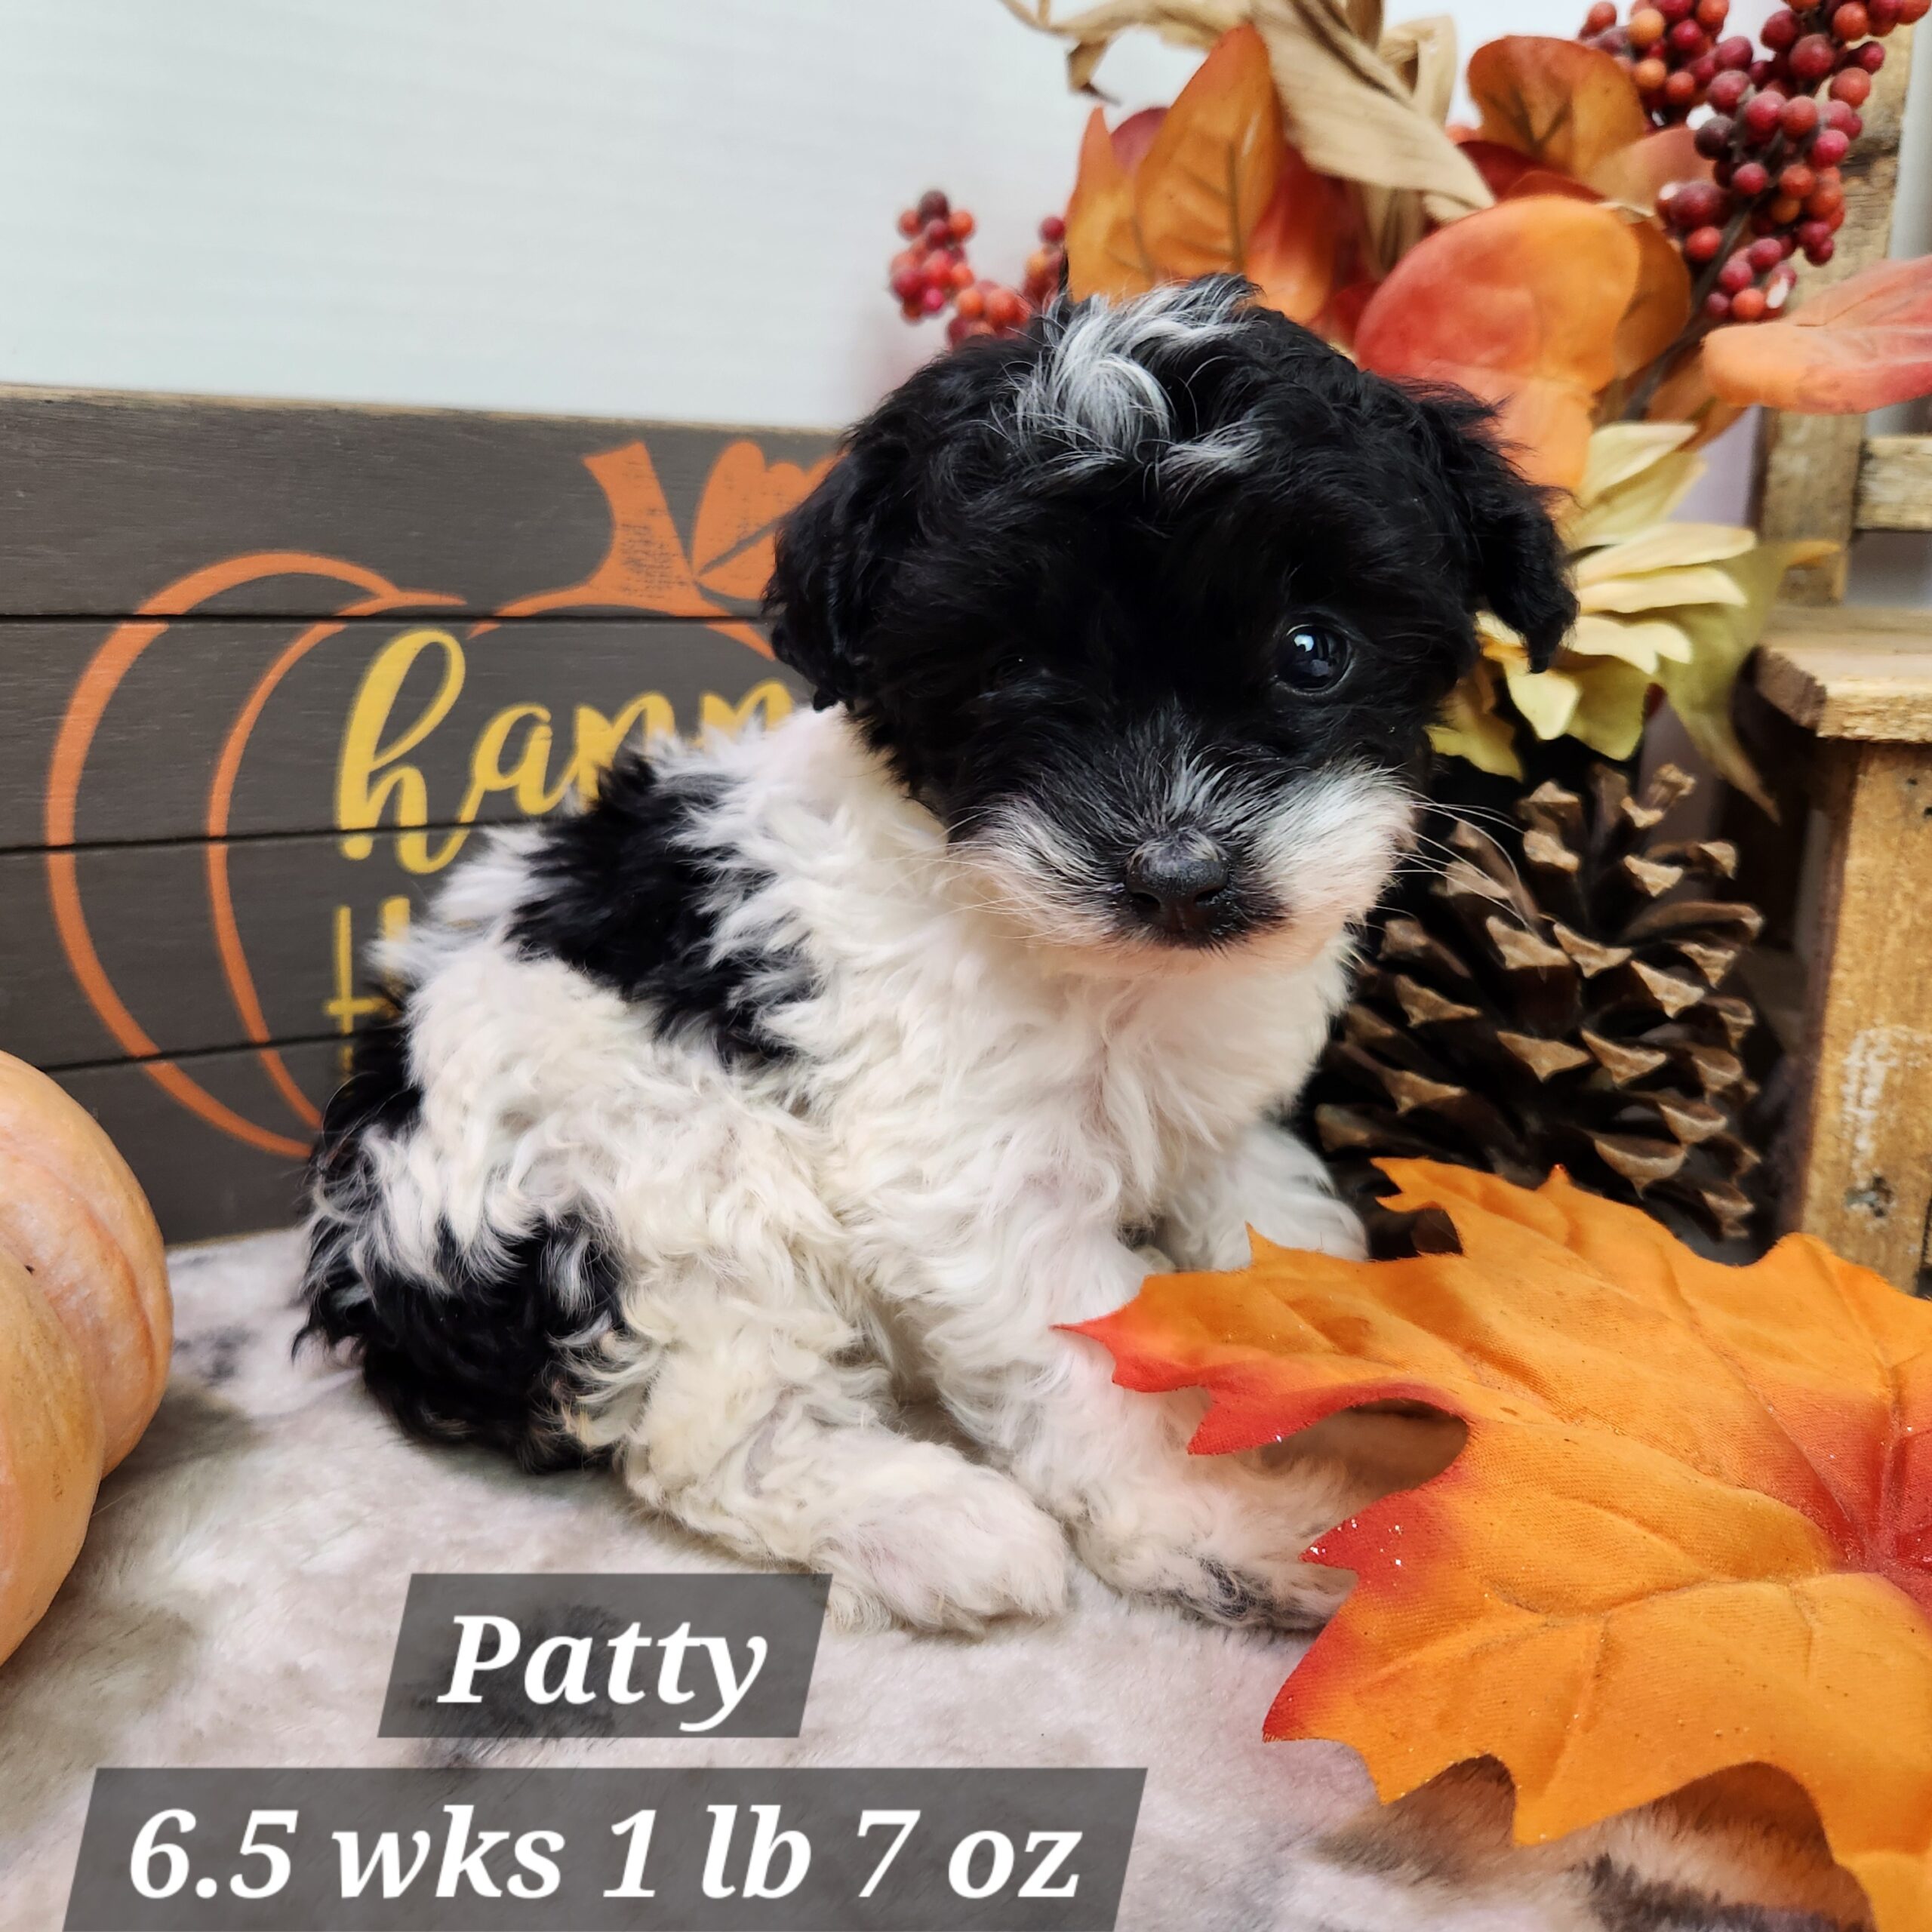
(238,1601)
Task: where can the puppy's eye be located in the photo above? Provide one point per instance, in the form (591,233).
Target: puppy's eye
(1312,658)
(1009,667)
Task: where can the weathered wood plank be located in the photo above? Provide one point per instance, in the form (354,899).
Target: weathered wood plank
(249,726)
(204,944)
(1850,672)
(202,1181)
(328,642)
(121,503)
(1895,484)
(1863,1166)
(1808,466)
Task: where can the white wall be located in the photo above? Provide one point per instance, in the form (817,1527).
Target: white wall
(659,208)
(677,208)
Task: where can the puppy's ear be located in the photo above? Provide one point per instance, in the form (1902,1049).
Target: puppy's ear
(834,557)
(1515,559)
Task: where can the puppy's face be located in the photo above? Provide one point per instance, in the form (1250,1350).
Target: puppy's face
(1152,607)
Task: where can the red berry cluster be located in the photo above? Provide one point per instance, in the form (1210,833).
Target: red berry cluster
(1673,50)
(1773,145)
(928,274)
(931,273)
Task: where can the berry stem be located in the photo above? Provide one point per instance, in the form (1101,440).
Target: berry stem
(1695,329)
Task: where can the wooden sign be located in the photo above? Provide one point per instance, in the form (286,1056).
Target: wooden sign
(269,672)
(124,503)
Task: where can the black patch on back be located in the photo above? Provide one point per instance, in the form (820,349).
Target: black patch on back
(380,1093)
(492,1349)
(624,894)
(489,1353)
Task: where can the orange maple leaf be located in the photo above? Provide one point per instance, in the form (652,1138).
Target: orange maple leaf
(1691,1527)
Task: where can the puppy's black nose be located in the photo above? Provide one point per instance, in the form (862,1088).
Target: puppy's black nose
(1173,881)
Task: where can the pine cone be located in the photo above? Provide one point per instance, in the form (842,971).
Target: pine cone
(1561,1003)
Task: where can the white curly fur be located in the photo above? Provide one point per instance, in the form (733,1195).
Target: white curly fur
(981,1109)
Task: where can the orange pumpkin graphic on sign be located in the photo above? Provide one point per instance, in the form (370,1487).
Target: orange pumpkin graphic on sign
(646,568)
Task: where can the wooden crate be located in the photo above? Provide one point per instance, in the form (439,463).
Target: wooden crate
(264,671)
(1860,681)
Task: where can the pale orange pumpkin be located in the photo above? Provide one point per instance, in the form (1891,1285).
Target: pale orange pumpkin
(86,1326)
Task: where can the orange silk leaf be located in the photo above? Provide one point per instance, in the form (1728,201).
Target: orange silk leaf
(1213,164)
(738,514)
(1568,106)
(1637,175)
(1547,181)
(1105,253)
(1134,136)
(1520,304)
(1691,1528)
(1291,252)
(1863,344)
(1500,167)
(1661,305)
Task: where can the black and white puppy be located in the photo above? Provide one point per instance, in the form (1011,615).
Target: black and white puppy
(860,1055)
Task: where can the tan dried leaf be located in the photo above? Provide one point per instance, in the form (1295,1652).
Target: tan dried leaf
(1470,727)
(1350,114)
(1094,30)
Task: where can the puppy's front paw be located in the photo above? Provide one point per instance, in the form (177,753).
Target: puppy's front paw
(1224,1540)
(1251,1588)
(953,1558)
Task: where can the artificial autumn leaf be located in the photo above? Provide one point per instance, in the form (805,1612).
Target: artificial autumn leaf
(1501,167)
(1343,314)
(1520,305)
(1612,705)
(1351,114)
(1722,635)
(1610,712)
(1637,474)
(1421,55)
(1213,164)
(1106,254)
(1358,106)
(1134,136)
(1291,257)
(1643,643)
(1205,187)
(1678,605)
(1864,343)
(1362,110)
(1597,692)
(1568,106)
(1636,175)
(1547,700)
(1470,727)
(1661,304)
(738,514)
(1547,181)
(1181,22)
(1672,563)
(1691,1527)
